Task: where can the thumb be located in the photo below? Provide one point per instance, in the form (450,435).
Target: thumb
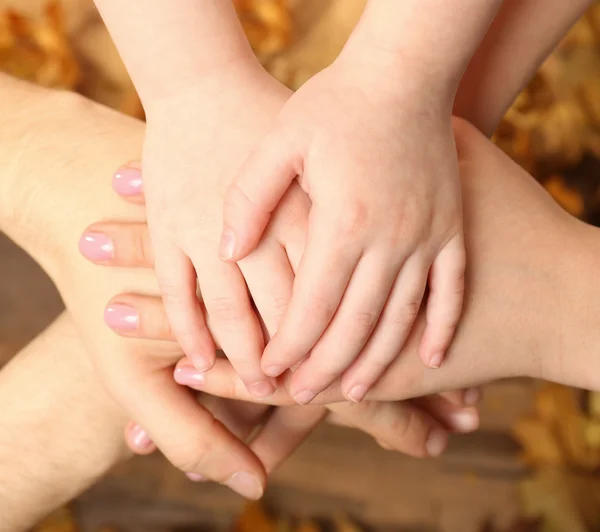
(254,194)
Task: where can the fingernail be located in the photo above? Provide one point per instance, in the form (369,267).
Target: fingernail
(273,371)
(436,360)
(140,437)
(201,362)
(121,317)
(304,397)
(127,182)
(195,477)
(188,376)
(357,393)
(464,420)
(472,396)
(436,442)
(261,389)
(227,245)
(96,247)
(246,485)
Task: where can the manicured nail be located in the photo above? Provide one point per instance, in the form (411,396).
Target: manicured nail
(472,396)
(261,389)
(201,362)
(357,393)
(227,245)
(121,317)
(139,437)
(128,182)
(304,397)
(195,477)
(436,360)
(437,442)
(246,485)
(464,420)
(96,247)
(188,376)
(273,371)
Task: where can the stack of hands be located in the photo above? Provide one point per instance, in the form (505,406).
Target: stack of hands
(324,230)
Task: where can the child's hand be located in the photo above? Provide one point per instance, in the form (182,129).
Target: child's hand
(377,158)
(194,145)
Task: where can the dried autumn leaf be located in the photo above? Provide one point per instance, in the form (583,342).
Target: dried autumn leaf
(254,518)
(38,50)
(568,199)
(61,520)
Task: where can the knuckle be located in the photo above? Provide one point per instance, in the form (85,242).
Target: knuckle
(318,306)
(364,322)
(141,248)
(405,316)
(407,429)
(226,309)
(195,453)
(352,219)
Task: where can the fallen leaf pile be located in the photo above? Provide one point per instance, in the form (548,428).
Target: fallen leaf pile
(555,122)
(561,441)
(38,50)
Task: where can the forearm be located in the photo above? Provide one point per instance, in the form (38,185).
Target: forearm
(59,430)
(429,41)
(167,46)
(520,38)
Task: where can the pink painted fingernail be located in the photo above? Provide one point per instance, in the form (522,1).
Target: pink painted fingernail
(437,442)
(436,360)
(139,437)
(246,485)
(304,397)
(96,247)
(472,396)
(188,376)
(128,182)
(464,420)
(357,393)
(227,244)
(121,317)
(195,477)
(261,389)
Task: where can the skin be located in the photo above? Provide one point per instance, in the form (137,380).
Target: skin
(526,312)
(46,217)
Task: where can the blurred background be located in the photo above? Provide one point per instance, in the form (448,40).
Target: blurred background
(531,467)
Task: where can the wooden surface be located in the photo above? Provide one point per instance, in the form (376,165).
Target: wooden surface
(337,470)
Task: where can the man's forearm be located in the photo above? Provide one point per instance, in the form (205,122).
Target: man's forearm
(433,40)
(520,38)
(168,45)
(59,430)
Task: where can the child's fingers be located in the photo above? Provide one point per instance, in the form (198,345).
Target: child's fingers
(118,244)
(324,273)
(127,182)
(254,194)
(234,321)
(177,281)
(348,331)
(283,432)
(188,434)
(444,304)
(400,426)
(270,279)
(392,330)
